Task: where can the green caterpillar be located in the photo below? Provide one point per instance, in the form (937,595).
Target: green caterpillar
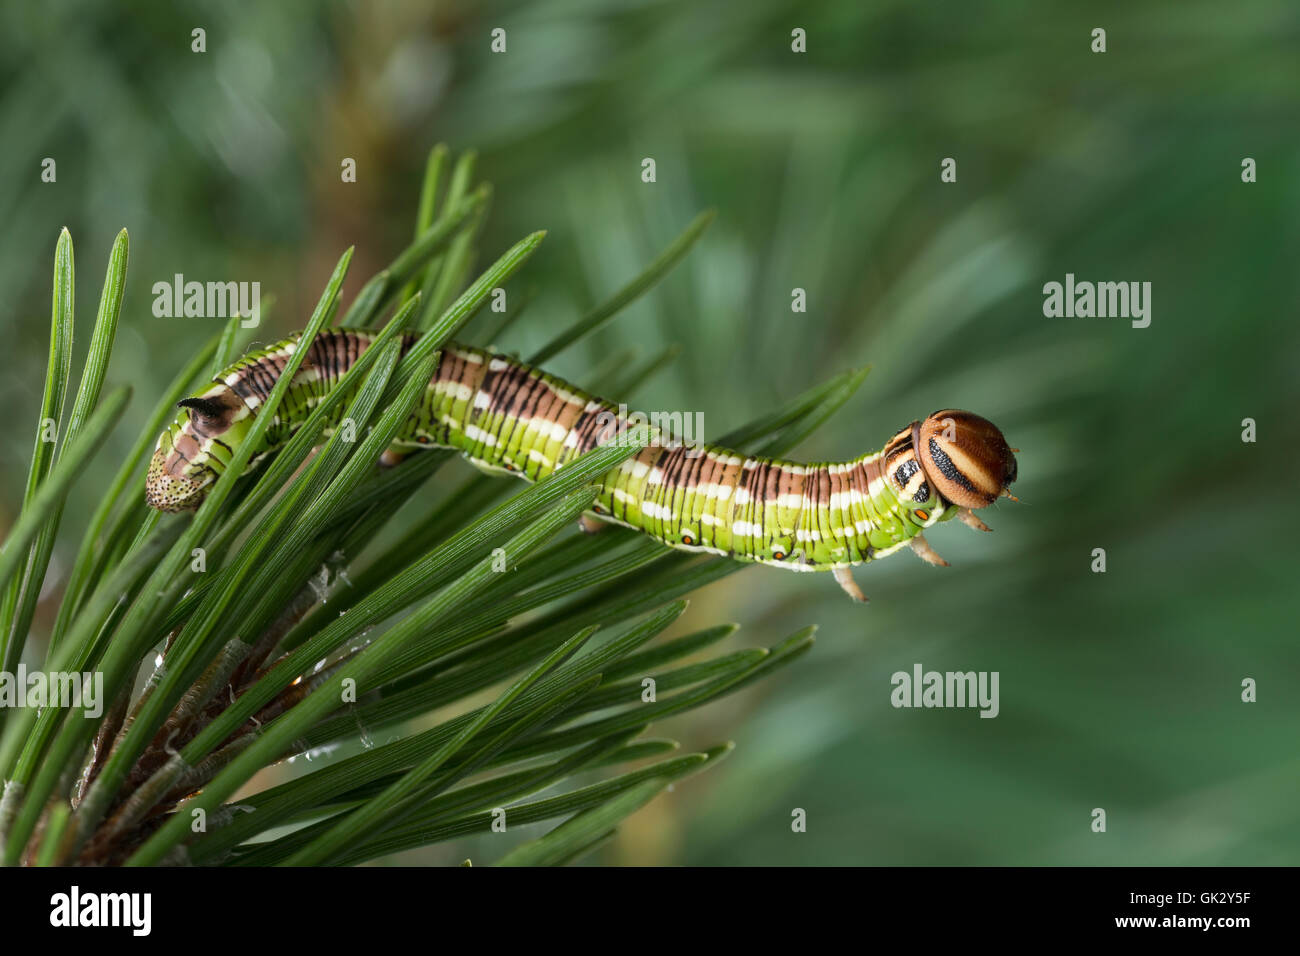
(506,416)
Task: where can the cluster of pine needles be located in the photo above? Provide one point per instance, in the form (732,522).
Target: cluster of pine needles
(291,615)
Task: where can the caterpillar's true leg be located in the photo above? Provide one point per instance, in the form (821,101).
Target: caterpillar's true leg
(844,578)
(971,520)
(923,549)
(590,524)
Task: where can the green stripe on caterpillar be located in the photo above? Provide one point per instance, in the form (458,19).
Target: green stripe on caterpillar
(505,416)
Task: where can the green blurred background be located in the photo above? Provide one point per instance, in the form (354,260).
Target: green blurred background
(1118,690)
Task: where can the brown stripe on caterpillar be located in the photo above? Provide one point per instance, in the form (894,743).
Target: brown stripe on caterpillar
(271,366)
(564,416)
(621,504)
(501,384)
(831,489)
(841,523)
(651,486)
(560,410)
(541,419)
(767,479)
(544,409)
(699,463)
(863,472)
(321,358)
(596,423)
(788,482)
(705,475)
(680,495)
(652,491)
(791,484)
(722,474)
(462,370)
(772,486)
(798,488)
(683,496)
(737,476)
(353,347)
(725,474)
(524,408)
(242,383)
(665,493)
(670,507)
(490,387)
(763,481)
(247,382)
(871,471)
(506,389)
(825,517)
(751,509)
(668,495)
(807,512)
(523,394)
(807,525)
(515,431)
(432,420)
(258,379)
(455,369)
(781,481)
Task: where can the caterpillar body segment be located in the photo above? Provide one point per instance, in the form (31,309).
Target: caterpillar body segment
(509,417)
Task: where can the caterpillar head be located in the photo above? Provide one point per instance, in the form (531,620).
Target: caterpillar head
(965,457)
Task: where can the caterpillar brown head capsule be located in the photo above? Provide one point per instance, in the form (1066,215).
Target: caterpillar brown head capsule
(965,457)
(508,417)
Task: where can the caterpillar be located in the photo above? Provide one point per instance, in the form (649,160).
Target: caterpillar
(509,417)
